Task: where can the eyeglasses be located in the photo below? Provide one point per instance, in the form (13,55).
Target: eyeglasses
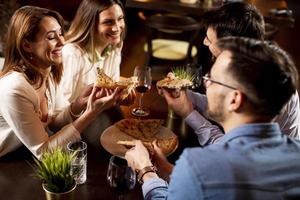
(208,81)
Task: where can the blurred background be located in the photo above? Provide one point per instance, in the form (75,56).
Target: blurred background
(287,35)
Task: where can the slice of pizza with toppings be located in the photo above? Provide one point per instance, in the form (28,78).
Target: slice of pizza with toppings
(177,79)
(140,129)
(127,84)
(104,81)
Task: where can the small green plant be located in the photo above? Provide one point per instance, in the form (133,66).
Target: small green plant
(54,169)
(182,73)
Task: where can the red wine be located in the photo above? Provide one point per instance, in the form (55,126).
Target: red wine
(142,88)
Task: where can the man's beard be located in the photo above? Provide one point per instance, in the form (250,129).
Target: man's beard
(217,114)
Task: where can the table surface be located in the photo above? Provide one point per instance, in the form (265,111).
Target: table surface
(18,180)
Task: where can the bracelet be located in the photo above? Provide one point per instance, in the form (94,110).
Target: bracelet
(144,171)
(73,114)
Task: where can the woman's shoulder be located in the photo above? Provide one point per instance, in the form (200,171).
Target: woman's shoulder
(14,78)
(14,82)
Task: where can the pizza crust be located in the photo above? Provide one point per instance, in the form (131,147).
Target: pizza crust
(127,84)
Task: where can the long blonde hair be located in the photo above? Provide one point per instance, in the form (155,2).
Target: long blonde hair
(83,29)
(24,25)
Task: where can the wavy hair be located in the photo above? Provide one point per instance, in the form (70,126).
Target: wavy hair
(24,25)
(83,29)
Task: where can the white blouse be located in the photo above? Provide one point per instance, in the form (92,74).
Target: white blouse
(20,117)
(80,72)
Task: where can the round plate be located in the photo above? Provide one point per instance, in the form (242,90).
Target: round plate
(112,134)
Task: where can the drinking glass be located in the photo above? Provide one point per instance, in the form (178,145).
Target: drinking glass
(78,165)
(144,84)
(120,177)
(196,70)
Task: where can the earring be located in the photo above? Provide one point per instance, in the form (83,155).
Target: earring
(23,68)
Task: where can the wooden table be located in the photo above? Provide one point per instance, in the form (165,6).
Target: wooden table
(17,180)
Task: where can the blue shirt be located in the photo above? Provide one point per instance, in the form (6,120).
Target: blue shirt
(288,119)
(253,161)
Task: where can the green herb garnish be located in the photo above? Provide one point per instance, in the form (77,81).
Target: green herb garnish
(182,73)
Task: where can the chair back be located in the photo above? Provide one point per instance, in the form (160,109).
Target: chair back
(170,41)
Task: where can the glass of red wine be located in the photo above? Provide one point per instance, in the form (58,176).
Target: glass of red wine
(144,84)
(120,177)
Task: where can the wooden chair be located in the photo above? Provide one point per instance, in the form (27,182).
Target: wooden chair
(170,42)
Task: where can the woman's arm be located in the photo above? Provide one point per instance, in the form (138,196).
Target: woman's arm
(20,110)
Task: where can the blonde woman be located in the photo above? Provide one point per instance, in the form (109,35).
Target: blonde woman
(31,102)
(94,40)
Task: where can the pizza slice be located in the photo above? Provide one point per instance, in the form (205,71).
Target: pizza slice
(127,84)
(177,79)
(140,129)
(104,81)
(167,145)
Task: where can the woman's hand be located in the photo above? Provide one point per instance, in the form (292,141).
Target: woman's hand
(101,99)
(81,101)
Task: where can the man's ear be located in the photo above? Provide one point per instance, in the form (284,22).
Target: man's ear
(26,46)
(236,100)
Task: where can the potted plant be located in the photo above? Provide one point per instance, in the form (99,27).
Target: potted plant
(54,169)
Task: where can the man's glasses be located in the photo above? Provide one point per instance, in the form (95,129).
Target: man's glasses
(208,81)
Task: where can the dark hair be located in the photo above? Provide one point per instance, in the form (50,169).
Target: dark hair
(263,71)
(235,19)
(24,25)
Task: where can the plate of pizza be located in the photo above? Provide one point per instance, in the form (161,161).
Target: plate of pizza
(117,139)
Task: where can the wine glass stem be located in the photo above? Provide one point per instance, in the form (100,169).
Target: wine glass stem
(141,100)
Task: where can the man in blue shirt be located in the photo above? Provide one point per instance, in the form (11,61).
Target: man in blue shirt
(247,87)
(232,19)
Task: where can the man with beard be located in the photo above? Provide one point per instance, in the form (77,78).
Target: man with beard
(247,87)
(233,19)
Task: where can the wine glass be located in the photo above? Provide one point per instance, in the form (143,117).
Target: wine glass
(144,84)
(195,70)
(120,177)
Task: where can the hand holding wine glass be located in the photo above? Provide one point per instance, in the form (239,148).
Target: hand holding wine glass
(120,177)
(144,84)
